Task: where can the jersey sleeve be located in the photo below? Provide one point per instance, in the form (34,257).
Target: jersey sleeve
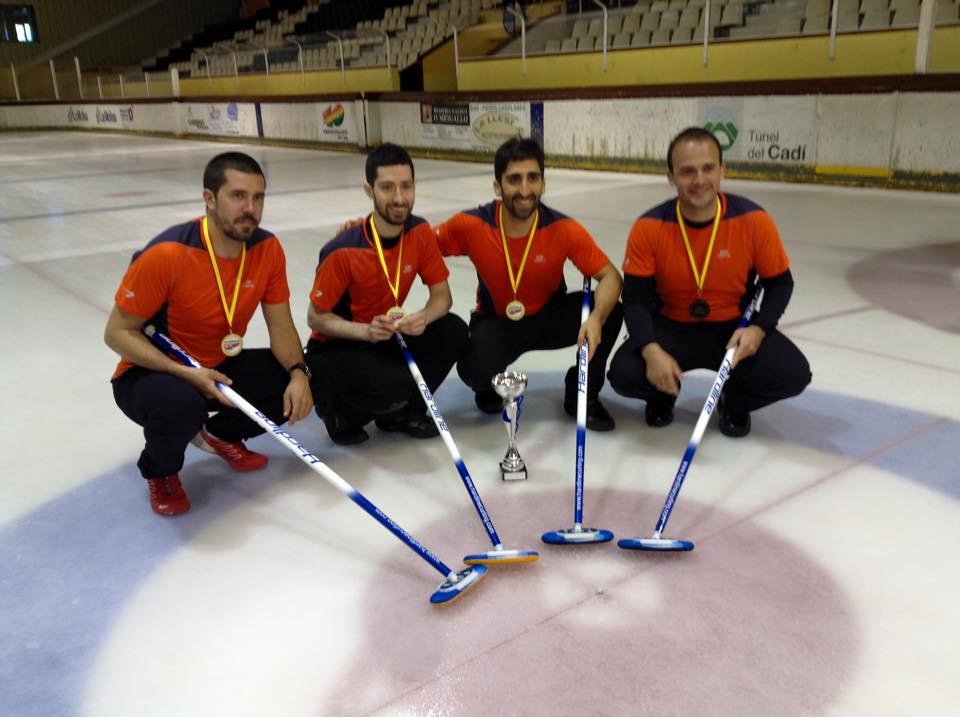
(331,280)
(770,258)
(452,235)
(584,251)
(640,259)
(278,291)
(145,287)
(432,268)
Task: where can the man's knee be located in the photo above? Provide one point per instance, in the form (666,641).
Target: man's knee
(627,374)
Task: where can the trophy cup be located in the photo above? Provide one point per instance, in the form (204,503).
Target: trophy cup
(510,386)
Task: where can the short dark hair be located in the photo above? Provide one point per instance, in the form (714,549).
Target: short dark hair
(215,175)
(516,149)
(387,155)
(695,134)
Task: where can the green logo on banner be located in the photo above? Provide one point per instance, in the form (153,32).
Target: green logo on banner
(725,132)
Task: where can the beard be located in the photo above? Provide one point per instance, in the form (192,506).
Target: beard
(239,230)
(509,203)
(396,216)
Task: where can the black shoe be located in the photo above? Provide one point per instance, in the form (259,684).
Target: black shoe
(342,432)
(488,401)
(418,426)
(658,415)
(348,437)
(732,424)
(598,417)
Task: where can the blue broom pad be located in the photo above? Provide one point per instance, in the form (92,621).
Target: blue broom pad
(453,588)
(584,536)
(662,544)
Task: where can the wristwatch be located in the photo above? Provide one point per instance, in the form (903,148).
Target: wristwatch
(303,367)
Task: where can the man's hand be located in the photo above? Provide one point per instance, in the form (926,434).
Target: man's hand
(591,331)
(297,398)
(663,371)
(381,328)
(349,224)
(205,380)
(747,342)
(413,324)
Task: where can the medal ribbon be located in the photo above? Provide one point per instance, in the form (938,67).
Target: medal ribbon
(697,275)
(515,283)
(395,287)
(216,272)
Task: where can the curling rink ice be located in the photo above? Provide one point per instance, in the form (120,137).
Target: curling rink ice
(825,579)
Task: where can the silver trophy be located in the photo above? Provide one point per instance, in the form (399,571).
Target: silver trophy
(510,385)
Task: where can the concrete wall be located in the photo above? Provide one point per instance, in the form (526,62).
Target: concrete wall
(885,139)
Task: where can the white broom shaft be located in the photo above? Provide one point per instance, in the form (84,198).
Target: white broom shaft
(294,446)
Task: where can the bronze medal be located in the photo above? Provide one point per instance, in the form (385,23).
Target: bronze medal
(699,309)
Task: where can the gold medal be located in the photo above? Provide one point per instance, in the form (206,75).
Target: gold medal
(394,313)
(515,310)
(232,344)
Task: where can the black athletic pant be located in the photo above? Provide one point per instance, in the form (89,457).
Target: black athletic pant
(778,370)
(497,342)
(358,380)
(171,410)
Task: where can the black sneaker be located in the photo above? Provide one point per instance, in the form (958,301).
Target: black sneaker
(598,417)
(732,424)
(418,426)
(488,401)
(658,415)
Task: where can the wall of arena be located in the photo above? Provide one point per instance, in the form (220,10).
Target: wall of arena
(893,135)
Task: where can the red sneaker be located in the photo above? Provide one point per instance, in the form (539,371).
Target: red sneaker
(167,496)
(236,454)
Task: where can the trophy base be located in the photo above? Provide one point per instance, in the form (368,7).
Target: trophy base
(513,473)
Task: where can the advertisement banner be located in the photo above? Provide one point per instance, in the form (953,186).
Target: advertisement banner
(779,130)
(228,119)
(474,126)
(126,116)
(108,117)
(81,116)
(337,122)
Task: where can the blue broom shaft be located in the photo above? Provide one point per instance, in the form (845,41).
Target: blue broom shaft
(448,441)
(582,367)
(722,374)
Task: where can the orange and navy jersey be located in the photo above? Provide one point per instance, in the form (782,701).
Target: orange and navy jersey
(476,234)
(350,280)
(747,241)
(171,284)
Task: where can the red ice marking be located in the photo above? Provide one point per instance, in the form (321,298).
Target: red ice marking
(840,470)
(826,317)
(591,629)
(916,283)
(880,354)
